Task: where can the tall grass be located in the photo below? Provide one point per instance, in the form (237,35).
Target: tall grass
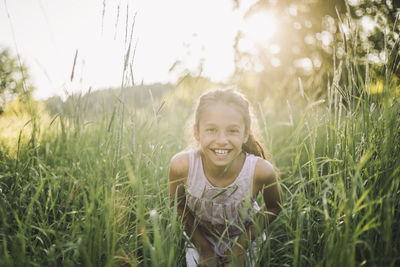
(94,193)
(83,195)
(340,166)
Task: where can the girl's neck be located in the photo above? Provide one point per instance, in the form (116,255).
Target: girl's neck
(222,176)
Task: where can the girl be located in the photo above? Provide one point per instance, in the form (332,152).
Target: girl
(222,179)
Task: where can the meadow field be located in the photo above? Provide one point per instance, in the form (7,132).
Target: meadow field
(75,191)
(85,187)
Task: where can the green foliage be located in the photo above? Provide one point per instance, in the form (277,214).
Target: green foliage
(311,33)
(98,102)
(82,195)
(18,122)
(14,79)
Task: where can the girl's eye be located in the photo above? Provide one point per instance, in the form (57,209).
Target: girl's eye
(234,131)
(210,130)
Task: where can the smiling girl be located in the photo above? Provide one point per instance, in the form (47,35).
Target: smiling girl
(215,186)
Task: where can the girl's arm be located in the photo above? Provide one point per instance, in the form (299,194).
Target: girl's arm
(177,178)
(265,181)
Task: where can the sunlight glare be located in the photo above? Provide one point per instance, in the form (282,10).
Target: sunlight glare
(192,43)
(275,62)
(353,2)
(274,49)
(246,45)
(305,64)
(260,27)
(368,24)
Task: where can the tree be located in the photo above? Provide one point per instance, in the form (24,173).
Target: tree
(14,80)
(311,33)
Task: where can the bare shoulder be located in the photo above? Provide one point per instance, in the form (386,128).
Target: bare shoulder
(264,173)
(179,166)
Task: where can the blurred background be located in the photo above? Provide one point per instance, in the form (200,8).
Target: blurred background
(264,47)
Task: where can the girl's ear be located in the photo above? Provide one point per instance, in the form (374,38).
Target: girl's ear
(196,132)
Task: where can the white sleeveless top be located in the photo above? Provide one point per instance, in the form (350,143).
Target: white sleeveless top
(221,210)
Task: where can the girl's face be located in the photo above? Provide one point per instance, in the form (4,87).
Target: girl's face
(221,133)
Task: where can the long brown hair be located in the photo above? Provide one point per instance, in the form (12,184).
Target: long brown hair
(232,97)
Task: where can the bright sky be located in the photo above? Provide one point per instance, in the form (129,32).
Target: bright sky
(47,34)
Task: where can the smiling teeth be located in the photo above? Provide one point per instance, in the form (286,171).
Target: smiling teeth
(220,151)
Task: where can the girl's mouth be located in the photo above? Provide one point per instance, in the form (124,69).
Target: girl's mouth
(221,152)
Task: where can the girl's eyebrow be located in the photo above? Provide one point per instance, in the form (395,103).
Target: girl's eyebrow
(216,125)
(209,124)
(233,126)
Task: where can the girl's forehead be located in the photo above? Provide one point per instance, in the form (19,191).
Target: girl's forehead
(221,113)
(222,106)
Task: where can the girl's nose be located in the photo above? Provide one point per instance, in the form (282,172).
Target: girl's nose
(221,138)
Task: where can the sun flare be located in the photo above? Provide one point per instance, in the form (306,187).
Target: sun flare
(260,27)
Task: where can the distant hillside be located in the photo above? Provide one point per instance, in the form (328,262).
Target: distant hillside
(100,101)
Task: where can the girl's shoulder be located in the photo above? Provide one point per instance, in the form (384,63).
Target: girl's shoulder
(264,173)
(179,166)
